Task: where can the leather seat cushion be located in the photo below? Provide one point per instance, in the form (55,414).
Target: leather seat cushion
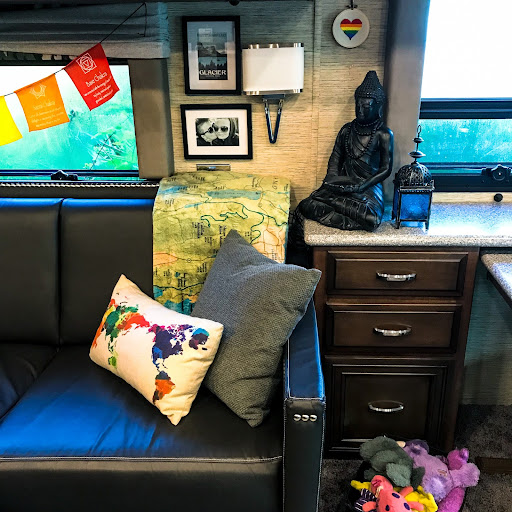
(84,435)
(29,277)
(100,240)
(20,365)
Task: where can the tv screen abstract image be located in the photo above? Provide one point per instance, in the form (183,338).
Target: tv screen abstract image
(93,141)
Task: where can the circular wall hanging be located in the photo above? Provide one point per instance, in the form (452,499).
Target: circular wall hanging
(351,28)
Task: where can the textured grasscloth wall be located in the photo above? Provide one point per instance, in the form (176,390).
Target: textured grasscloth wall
(310,120)
(310,123)
(341,70)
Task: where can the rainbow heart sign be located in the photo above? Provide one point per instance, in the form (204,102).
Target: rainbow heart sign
(351,28)
(349,24)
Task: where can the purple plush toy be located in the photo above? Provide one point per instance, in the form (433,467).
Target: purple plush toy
(445,478)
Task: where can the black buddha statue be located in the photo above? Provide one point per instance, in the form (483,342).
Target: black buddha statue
(351,194)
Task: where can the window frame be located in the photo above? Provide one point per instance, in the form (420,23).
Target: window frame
(149,80)
(476,177)
(51,61)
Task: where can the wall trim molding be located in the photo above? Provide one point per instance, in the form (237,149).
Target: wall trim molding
(405,52)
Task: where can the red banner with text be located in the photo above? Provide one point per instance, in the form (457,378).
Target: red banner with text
(92,76)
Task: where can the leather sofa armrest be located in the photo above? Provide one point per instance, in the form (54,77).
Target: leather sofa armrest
(304,417)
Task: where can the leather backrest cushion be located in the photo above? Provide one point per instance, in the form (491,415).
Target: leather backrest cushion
(28,270)
(100,240)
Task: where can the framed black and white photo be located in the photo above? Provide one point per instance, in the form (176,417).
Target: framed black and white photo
(212,54)
(217,131)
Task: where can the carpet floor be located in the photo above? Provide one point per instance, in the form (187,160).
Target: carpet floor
(484,430)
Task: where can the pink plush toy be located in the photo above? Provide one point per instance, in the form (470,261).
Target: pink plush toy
(389,500)
(444,478)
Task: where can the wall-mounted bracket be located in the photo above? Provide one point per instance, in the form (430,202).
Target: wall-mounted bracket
(213,167)
(275,98)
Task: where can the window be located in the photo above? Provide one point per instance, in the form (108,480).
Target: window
(149,85)
(97,143)
(466,97)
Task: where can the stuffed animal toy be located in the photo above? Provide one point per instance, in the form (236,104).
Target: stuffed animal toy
(389,500)
(365,497)
(443,476)
(386,458)
(419,495)
(457,459)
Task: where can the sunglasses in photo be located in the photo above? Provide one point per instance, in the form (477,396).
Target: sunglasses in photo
(215,129)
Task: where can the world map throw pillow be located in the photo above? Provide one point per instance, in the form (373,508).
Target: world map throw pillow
(163,354)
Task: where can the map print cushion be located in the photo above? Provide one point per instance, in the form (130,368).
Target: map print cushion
(163,354)
(259,302)
(192,214)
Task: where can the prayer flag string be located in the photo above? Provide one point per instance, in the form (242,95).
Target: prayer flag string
(42,101)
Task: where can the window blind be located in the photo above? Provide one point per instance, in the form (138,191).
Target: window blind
(73,30)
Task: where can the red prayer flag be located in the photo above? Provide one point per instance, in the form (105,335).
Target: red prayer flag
(92,77)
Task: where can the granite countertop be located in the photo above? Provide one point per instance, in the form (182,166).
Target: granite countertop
(499,265)
(451,224)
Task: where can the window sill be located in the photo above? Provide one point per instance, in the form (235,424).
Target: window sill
(469,183)
(107,189)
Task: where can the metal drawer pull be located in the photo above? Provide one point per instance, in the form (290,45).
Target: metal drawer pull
(392,332)
(386,406)
(396,277)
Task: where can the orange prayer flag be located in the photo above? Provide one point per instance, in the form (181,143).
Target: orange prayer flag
(8,130)
(42,104)
(92,77)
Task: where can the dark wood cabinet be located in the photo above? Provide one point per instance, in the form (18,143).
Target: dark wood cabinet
(393,327)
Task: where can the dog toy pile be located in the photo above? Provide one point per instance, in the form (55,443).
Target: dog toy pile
(404,476)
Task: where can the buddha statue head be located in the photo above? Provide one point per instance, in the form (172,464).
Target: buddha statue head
(370,98)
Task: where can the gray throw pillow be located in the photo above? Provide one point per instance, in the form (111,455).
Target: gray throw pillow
(259,302)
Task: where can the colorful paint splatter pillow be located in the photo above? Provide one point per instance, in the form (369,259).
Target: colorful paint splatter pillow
(163,354)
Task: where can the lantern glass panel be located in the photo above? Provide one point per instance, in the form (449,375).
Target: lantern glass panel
(395,203)
(415,206)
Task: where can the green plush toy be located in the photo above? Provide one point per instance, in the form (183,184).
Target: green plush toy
(388,459)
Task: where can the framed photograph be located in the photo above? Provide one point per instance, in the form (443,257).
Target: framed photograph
(212,54)
(217,131)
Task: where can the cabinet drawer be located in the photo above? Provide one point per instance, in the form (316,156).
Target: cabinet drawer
(397,271)
(391,326)
(401,401)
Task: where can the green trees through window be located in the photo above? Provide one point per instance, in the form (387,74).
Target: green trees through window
(466,108)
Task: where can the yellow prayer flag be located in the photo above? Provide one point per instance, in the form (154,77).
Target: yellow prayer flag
(8,130)
(42,104)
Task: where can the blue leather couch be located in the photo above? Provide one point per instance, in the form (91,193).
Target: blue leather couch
(73,437)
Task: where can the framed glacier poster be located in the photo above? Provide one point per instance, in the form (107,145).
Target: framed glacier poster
(212,54)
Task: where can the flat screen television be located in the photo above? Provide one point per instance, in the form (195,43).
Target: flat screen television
(119,139)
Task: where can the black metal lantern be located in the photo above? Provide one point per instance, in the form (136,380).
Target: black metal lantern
(414,185)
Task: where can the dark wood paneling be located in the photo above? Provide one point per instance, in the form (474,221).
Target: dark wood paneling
(492,465)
